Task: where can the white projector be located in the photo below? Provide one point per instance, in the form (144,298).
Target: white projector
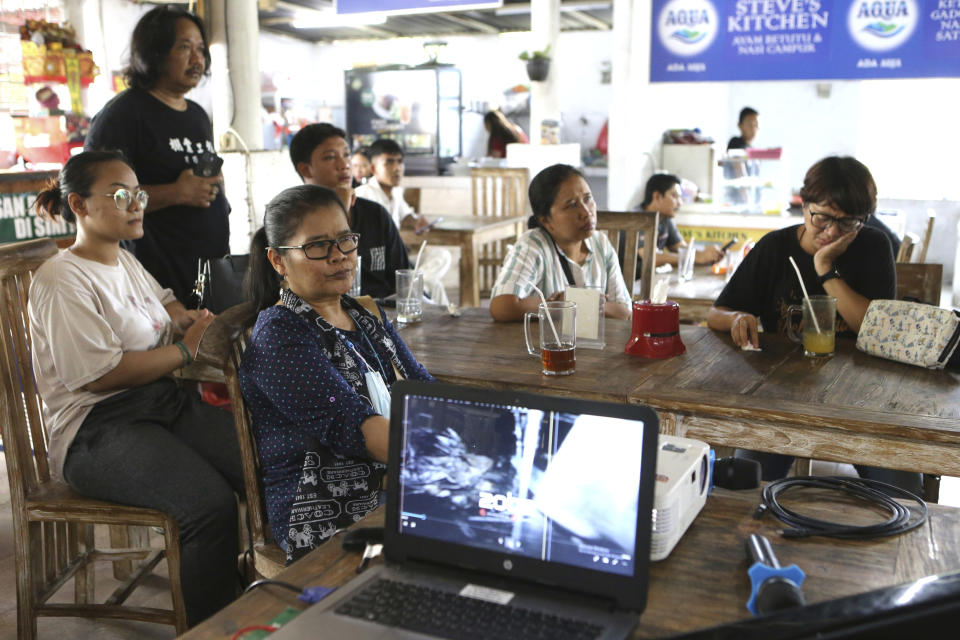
(683,481)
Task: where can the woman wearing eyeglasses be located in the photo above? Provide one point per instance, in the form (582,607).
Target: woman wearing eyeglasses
(105,341)
(836,253)
(317,371)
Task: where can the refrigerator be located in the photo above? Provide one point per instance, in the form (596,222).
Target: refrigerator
(419,107)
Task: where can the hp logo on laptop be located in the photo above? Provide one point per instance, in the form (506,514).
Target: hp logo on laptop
(508,564)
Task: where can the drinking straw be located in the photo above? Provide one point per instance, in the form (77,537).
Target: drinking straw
(416,265)
(816,325)
(543,301)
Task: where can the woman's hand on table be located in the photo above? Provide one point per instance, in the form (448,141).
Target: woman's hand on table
(744,329)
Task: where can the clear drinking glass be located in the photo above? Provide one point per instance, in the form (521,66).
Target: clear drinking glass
(558,337)
(409,296)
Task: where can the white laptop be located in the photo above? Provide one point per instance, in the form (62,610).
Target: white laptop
(509,515)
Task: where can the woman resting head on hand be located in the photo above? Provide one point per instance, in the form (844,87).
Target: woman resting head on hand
(121,429)
(560,250)
(836,253)
(317,371)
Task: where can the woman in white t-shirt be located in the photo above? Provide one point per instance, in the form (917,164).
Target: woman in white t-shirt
(121,429)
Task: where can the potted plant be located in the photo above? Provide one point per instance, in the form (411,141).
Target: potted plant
(538,64)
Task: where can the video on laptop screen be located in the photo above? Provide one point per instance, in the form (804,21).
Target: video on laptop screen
(558,487)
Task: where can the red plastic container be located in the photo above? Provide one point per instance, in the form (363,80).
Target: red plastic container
(656,330)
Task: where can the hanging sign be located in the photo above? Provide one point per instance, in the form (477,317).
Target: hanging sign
(348,7)
(708,40)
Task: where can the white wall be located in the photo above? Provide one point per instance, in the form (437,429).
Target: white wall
(904,130)
(489,65)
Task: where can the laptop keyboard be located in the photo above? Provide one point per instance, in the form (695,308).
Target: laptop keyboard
(441,613)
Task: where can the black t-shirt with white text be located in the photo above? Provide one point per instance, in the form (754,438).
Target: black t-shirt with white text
(766,285)
(160,142)
(380,248)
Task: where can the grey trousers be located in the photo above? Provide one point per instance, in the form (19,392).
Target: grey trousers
(160,446)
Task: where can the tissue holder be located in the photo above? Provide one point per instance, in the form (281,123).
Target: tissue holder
(656,330)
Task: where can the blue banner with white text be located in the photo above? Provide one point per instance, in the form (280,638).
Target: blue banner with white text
(710,40)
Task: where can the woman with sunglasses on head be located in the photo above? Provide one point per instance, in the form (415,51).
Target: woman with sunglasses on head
(317,372)
(837,255)
(105,341)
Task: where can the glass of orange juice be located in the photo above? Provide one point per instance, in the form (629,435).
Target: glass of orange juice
(819,336)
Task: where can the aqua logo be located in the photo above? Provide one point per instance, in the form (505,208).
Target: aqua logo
(687,27)
(882,25)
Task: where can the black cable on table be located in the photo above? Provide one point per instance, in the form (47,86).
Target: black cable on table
(872,492)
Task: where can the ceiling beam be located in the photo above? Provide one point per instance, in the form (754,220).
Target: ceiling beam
(589,20)
(470,23)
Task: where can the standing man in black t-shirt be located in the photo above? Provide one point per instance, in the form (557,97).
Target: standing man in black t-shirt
(749,124)
(165,137)
(321,156)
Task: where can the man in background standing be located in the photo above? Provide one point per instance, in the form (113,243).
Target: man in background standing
(748,124)
(169,141)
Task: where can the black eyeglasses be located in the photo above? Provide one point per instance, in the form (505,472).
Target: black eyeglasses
(846,225)
(320,249)
(123,198)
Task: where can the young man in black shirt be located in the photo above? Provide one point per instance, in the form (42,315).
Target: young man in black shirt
(748,124)
(165,136)
(321,156)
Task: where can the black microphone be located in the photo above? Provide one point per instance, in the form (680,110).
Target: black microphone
(772,587)
(736,473)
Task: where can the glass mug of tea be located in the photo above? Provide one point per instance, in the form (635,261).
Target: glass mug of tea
(558,337)
(818,337)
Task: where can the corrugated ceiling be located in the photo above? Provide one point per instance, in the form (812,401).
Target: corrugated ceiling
(278,15)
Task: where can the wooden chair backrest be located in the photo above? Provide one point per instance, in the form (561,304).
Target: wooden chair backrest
(501,193)
(632,224)
(906,247)
(223,346)
(24,433)
(927,234)
(411,195)
(921,282)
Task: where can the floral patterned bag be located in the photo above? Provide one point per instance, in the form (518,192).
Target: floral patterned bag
(910,332)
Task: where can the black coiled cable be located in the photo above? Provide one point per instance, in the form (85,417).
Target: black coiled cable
(873,492)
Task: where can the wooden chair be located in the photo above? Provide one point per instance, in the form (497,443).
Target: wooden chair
(632,224)
(919,282)
(223,346)
(53,527)
(906,247)
(411,195)
(927,234)
(496,192)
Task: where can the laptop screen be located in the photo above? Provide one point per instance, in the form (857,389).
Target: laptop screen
(558,486)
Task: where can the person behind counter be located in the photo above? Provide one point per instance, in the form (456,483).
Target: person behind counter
(502,132)
(837,255)
(749,124)
(320,156)
(121,429)
(317,371)
(663,195)
(166,138)
(561,249)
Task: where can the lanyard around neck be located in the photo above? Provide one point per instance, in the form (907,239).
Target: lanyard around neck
(564,263)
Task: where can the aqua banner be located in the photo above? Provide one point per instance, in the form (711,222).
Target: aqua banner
(710,40)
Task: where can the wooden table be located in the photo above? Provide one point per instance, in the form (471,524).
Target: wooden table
(695,296)
(849,408)
(469,233)
(702,583)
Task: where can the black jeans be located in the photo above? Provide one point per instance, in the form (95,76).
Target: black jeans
(160,446)
(777,465)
